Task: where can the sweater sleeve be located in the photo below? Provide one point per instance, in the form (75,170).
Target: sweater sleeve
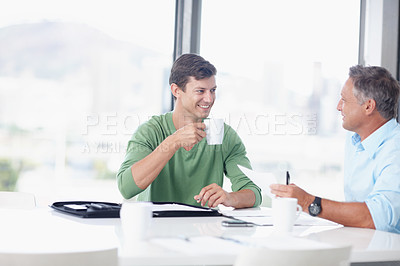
(141,144)
(234,155)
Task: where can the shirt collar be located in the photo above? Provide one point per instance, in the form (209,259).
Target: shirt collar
(373,141)
(356,141)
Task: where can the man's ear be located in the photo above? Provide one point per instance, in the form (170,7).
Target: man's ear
(369,106)
(175,90)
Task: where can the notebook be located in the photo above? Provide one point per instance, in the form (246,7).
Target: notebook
(96,209)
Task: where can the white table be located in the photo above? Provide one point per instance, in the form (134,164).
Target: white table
(45,230)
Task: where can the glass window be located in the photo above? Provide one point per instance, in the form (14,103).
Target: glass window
(77,78)
(281,66)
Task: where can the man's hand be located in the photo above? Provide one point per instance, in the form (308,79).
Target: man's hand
(292,191)
(190,135)
(354,214)
(215,195)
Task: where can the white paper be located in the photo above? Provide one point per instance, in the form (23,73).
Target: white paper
(199,245)
(283,242)
(262,180)
(247,212)
(177,207)
(303,220)
(306,219)
(233,245)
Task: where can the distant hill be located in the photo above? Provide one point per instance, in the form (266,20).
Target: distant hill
(40,48)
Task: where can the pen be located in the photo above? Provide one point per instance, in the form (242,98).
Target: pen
(287,178)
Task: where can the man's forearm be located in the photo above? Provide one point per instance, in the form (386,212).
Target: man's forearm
(243,198)
(145,171)
(355,214)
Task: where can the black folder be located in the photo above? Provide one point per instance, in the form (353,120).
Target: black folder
(88,209)
(162,209)
(96,209)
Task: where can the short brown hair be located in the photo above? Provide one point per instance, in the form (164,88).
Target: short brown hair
(190,65)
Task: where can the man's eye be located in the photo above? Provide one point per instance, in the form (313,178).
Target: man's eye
(212,90)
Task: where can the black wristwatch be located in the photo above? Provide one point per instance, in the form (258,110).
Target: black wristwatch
(315,207)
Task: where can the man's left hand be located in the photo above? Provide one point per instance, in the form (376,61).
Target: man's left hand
(215,195)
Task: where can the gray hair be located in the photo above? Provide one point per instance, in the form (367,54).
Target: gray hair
(376,83)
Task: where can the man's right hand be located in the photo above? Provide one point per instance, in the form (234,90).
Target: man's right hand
(304,199)
(145,171)
(189,135)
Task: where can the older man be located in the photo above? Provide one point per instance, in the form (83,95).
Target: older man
(369,104)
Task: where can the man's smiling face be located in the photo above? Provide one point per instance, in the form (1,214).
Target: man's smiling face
(198,98)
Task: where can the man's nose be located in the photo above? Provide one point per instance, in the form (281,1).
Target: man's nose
(339,105)
(208,97)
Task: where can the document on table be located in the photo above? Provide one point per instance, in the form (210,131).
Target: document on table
(233,245)
(177,207)
(262,216)
(304,219)
(281,242)
(245,212)
(199,245)
(170,209)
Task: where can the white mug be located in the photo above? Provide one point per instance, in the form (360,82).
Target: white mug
(214,130)
(136,219)
(285,211)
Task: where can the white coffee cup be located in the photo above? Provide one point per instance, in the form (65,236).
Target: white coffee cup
(285,211)
(136,219)
(214,130)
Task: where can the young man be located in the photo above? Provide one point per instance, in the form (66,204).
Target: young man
(168,158)
(368,104)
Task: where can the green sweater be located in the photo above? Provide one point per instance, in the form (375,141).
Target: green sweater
(187,172)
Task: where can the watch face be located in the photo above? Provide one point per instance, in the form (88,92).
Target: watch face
(314,209)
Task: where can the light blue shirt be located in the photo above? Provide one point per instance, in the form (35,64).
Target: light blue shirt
(372,174)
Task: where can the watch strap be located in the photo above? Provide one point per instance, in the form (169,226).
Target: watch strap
(317,201)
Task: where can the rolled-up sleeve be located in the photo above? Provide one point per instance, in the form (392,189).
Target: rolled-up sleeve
(384,200)
(236,155)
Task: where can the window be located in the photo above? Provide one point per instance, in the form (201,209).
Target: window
(281,66)
(77,78)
